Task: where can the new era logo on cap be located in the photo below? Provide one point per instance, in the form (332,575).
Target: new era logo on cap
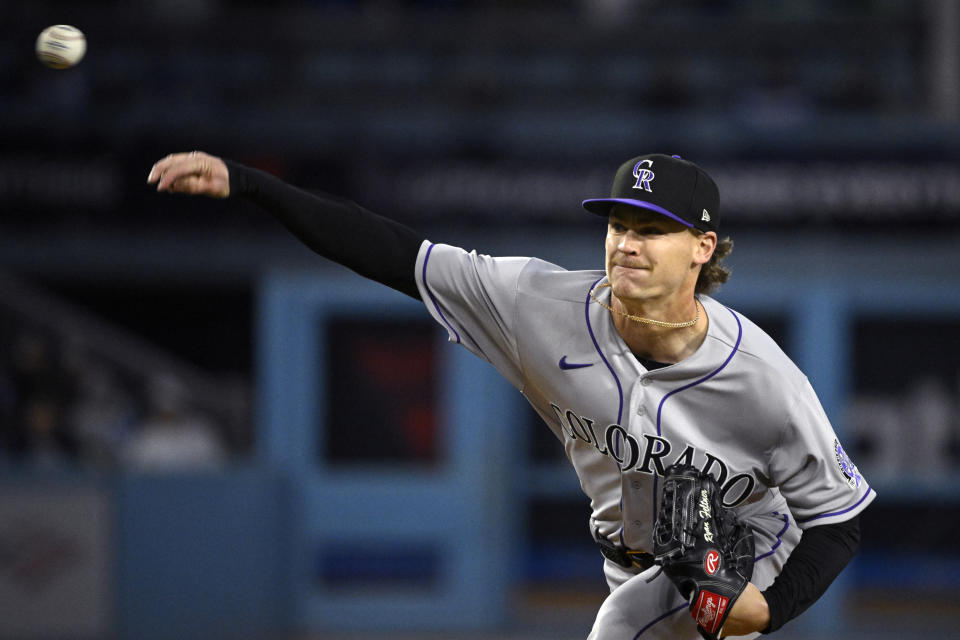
(669,185)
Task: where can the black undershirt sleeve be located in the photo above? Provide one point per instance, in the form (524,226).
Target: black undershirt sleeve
(339,229)
(817,560)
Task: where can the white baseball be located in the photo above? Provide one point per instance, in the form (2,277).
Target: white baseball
(61,46)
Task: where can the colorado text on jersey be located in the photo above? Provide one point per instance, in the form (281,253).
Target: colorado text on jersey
(652,456)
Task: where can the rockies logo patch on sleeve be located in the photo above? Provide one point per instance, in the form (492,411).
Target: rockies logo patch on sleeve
(847,468)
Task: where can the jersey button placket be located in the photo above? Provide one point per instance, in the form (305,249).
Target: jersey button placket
(642,406)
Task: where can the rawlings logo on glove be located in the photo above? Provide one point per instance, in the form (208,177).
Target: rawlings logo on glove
(712,562)
(704,550)
(709,611)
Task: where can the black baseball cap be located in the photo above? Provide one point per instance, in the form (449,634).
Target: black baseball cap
(669,185)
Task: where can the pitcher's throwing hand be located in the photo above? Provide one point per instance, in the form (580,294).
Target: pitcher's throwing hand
(194,173)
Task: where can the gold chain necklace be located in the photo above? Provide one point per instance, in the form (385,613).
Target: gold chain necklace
(658,323)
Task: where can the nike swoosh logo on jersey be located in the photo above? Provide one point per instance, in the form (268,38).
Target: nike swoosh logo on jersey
(566,366)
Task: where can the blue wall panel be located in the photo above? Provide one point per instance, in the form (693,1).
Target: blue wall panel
(199,555)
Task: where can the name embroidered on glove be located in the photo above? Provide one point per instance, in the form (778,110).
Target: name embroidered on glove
(704,504)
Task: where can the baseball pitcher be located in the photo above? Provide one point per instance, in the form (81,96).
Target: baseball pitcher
(721,499)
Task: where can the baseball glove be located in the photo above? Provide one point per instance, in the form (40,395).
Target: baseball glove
(701,546)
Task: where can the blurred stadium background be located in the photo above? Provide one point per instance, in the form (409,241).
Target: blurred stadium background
(210,432)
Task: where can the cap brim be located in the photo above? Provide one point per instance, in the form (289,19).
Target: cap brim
(602,207)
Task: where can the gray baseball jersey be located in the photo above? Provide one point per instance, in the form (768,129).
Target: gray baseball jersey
(738,407)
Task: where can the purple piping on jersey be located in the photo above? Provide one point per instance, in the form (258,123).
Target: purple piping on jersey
(706,377)
(433,298)
(586,312)
(656,620)
(786,525)
(839,513)
(684,388)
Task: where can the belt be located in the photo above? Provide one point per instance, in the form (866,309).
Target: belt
(624,557)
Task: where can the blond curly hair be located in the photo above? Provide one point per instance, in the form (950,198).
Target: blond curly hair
(714,273)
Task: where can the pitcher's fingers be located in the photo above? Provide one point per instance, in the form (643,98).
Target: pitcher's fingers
(190,184)
(179,168)
(164,165)
(197,185)
(161,166)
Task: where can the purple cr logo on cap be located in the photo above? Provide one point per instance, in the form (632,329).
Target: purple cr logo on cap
(644,176)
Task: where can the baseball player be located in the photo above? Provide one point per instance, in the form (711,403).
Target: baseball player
(632,367)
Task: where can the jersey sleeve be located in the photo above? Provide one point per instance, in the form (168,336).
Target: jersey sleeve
(474,297)
(819,481)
